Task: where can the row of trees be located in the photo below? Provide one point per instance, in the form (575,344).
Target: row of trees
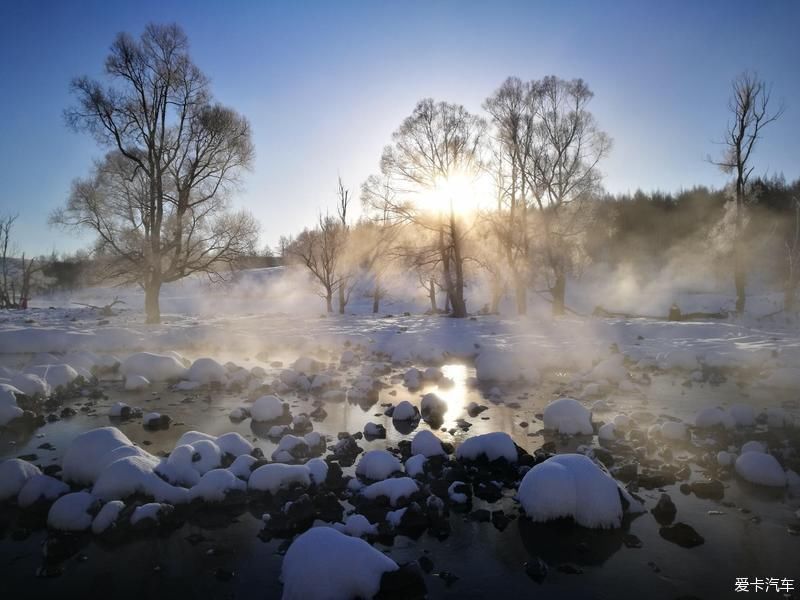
(157,200)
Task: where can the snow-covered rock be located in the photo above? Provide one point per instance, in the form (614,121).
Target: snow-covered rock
(673,430)
(56,375)
(405,411)
(357,526)
(432,405)
(427,444)
(503,366)
(607,433)
(377,465)
(415,465)
(323,564)
(41,487)
(725,459)
(215,485)
(274,477)
(267,408)
(753,446)
(713,417)
(72,512)
(136,382)
(207,370)
(568,416)
(394,489)
(134,475)
(571,485)
(242,466)
(107,517)
(30,384)
(743,415)
(153,367)
(14,474)
(92,451)
(493,446)
(761,469)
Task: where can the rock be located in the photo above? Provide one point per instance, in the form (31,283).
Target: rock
(665,510)
(536,569)
(570,569)
(481,515)
(407,582)
(631,541)
(708,490)
(682,534)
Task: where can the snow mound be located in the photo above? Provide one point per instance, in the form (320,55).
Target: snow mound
(405,411)
(215,485)
(92,451)
(136,382)
(357,526)
(761,469)
(571,485)
(672,430)
(611,369)
(324,564)
(30,384)
(41,487)
(55,375)
(393,489)
(153,367)
(427,444)
(491,445)
(415,465)
(72,512)
(107,517)
(133,475)
(14,474)
(377,465)
(714,417)
(267,408)
(568,416)
(207,370)
(273,477)
(242,466)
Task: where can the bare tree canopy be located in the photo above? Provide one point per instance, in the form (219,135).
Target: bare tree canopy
(157,202)
(750,112)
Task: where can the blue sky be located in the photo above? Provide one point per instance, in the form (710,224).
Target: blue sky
(325,83)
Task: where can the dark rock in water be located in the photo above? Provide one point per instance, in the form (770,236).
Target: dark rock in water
(685,489)
(334,480)
(46,446)
(604,456)
(708,490)
(481,515)
(631,541)
(665,510)
(500,520)
(51,470)
(28,457)
(425,563)
(52,418)
(378,432)
(627,472)
(448,577)
(67,412)
(407,582)
(682,534)
(327,507)
(569,569)
(651,480)
(536,569)
(162,422)
(486,490)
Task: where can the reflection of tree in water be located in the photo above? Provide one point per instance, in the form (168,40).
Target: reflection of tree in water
(563,541)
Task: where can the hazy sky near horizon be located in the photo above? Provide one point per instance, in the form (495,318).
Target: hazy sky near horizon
(324,84)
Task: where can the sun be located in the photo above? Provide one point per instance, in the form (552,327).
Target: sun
(464,193)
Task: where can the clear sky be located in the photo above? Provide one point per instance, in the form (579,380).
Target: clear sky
(324,84)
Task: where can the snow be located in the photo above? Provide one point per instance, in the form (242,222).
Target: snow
(672,430)
(136,382)
(611,369)
(761,469)
(457,497)
(415,465)
(242,466)
(274,477)
(405,411)
(107,517)
(713,417)
(30,384)
(215,485)
(725,459)
(8,404)
(234,444)
(607,433)
(92,451)
(153,367)
(72,512)
(493,446)
(151,418)
(318,469)
(132,475)
(207,370)
(56,375)
(503,366)
(151,511)
(569,417)
(357,526)
(427,444)
(377,465)
(287,446)
(571,485)
(393,489)
(753,446)
(14,474)
(743,415)
(324,564)
(41,487)
(267,408)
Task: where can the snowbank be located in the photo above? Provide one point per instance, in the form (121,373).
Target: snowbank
(324,564)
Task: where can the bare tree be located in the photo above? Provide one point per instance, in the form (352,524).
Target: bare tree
(6,258)
(157,201)
(437,143)
(793,260)
(319,250)
(346,279)
(750,113)
(563,173)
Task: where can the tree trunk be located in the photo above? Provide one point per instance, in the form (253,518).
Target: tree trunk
(342,301)
(432,296)
(497,295)
(459,304)
(521,294)
(329,301)
(152,309)
(376,301)
(559,292)
(790,293)
(739,273)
